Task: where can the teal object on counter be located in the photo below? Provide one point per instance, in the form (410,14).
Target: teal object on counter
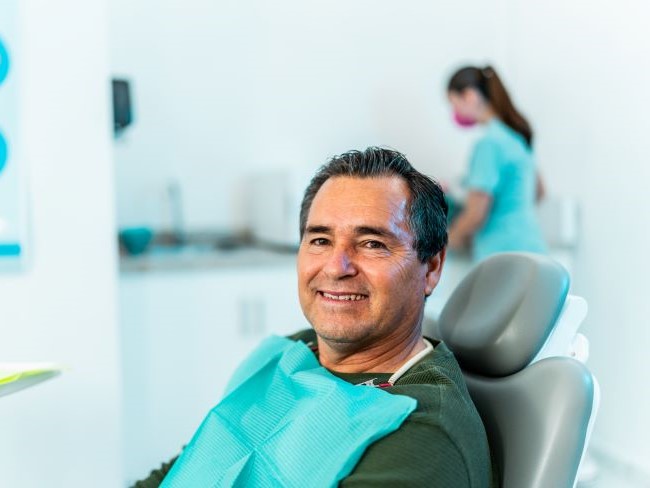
(503,166)
(286,422)
(136,240)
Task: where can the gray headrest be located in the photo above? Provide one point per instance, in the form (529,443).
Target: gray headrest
(500,315)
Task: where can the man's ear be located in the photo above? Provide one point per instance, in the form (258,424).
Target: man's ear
(434,270)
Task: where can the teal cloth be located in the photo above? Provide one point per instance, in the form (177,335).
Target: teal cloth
(503,166)
(286,421)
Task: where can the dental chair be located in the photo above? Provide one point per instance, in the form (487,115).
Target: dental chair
(513,328)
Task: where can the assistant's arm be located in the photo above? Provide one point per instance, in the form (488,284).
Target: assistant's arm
(471,219)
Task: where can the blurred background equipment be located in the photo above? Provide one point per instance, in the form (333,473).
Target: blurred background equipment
(122,112)
(13,188)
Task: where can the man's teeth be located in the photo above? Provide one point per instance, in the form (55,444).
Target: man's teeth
(344,297)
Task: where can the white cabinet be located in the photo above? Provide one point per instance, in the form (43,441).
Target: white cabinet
(183,334)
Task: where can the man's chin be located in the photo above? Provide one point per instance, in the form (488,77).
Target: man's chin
(343,335)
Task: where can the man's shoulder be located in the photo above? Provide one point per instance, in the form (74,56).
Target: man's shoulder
(437,382)
(446,418)
(441,443)
(438,368)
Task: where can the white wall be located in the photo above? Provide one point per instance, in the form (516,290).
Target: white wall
(223,88)
(582,72)
(65,432)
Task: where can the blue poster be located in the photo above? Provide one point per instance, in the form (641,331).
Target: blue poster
(12,192)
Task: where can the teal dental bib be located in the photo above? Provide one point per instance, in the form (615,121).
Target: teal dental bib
(286,421)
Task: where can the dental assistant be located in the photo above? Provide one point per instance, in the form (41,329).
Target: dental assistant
(502,181)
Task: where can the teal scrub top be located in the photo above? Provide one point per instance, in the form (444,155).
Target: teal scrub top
(503,166)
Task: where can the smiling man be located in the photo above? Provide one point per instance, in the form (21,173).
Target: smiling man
(362,285)
(372,250)
(362,398)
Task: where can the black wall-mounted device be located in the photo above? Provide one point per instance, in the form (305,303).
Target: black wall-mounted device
(122,113)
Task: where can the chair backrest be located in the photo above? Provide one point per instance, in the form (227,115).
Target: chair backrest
(536,401)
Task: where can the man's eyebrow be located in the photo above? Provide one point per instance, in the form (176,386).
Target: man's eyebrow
(318,229)
(365,230)
(362,230)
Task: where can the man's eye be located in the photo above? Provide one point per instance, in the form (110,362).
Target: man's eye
(319,241)
(375,245)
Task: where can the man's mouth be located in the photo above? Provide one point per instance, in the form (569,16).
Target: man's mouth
(343,296)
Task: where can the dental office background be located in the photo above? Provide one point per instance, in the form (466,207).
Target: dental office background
(227,94)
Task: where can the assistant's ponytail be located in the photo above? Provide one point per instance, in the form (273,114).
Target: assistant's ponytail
(488,83)
(503,106)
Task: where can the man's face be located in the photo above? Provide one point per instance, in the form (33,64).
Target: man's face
(359,277)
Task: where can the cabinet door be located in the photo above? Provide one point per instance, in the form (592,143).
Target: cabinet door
(180,345)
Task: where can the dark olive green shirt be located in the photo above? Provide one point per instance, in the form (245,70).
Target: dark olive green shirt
(442,444)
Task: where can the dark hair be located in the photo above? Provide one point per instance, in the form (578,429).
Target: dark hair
(488,83)
(427,207)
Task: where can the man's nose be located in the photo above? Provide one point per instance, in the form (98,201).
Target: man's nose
(340,263)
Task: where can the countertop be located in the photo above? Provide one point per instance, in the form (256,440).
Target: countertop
(195,257)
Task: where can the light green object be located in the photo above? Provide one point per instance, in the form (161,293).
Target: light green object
(18,376)
(286,422)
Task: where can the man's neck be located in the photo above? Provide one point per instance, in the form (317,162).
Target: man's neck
(380,357)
